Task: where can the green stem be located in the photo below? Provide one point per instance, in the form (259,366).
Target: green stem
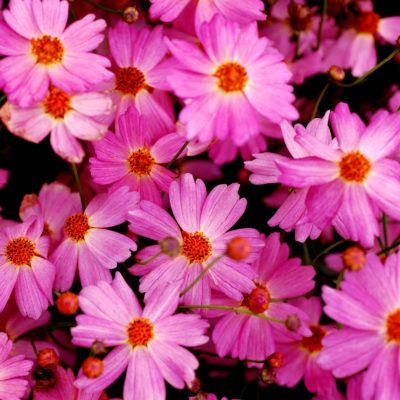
(320,98)
(180,151)
(391,247)
(381,245)
(2,98)
(104,8)
(321,23)
(78,184)
(385,230)
(327,250)
(230,308)
(150,259)
(307,258)
(339,278)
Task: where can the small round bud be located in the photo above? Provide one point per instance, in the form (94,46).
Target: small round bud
(67,303)
(337,73)
(130,15)
(354,258)
(170,246)
(257,301)
(275,360)
(98,348)
(238,248)
(47,357)
(92,367)
(267,375)
(293,323)
(195,386)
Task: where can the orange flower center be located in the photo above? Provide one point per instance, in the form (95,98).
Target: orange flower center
(20,251)
(367,22)
(57,103)
(130,80)
(47,49)
(354,258)
(47,230)
(354,167)
(141,162)
(76,226)
(195,247)
(257,300)
(232,77)
(313,343)
(140,332)
(393,327)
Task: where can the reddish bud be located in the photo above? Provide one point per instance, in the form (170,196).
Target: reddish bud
(92,367)
(354,258)
(275,360)
(337,73)
(238,248)
(67,303)
(98,348)
(195,385)
(170,246)
(47,357)
(293,323)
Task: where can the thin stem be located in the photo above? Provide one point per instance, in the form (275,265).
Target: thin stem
(104,8)
(339,278)
(321,23)
(307,258)
(385,230)
(297,46)
(34,347)
(201,275)
(180,151)
(234,309)
(78,184)
(210,354)
(381,245)
(371,71)
(327,250)
(150,259)
(320,98)
(391,247)
(2,98)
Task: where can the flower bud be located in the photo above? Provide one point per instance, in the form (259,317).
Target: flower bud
(195,386)
(337,73)
(275,360)
(130,15)
(293,323)
(238,248)
(170,246)
(92,367)
(267,375)
(47,357)
(67,303)
(354,258)
(98,348)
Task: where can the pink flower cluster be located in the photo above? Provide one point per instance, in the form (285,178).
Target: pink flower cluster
(151,258)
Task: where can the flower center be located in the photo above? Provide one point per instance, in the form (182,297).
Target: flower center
(257,300)
(47,49)
(231,76)
(393,327)
(196,247)
(367,22)
(354,258)
(130,80)
(354,167)
(313,343)
(141,162)
(76,226)
(20,251)
(47,230)
(140,332)
(57,103)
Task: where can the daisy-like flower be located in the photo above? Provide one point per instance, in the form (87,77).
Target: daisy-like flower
(131,158)
(367,305)
(88,245)
(140,74)
(199,236)
(13,371)
(229,84)
(278,277)
(24,268)
(148,343)
(66,117)
(353,181)
(40,50)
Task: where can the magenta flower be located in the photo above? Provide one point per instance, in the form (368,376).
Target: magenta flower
(199,235)
(353,181)
(148,343)
(24,268)
(367,305)
(41,51)
(66,117)
(3,177)
(88,245)
(13,371)
(278,277)
(131,158)
(231,83)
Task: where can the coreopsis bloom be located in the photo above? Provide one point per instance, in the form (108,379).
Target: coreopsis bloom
(24,268)
(140,74)
(148,343)
(130,157)
(67,117)
(230,84)
(301,356)
(13,371)
(367,306)
(88,245)
(41,51)
(278,277)
(198,237)
(352,182)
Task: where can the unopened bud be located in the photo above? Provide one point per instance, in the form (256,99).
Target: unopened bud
(195,386)
(293,323)
(238,248)
(275,360)
(354,258)
(130,15)
(47,357)
(170,246)
(267,375)
(67,303)
(98,348)
(337,73)
(92,367)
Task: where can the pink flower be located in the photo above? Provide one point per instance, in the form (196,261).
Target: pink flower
(353,182)
(3,177)
(367,305)
(65,116)
(301,356)
(230,84)
(278,277)
(24,268)
(88,245)
(13,371)
(199,236)
(40,50)
(147,342)
(132,158)
(140,75)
